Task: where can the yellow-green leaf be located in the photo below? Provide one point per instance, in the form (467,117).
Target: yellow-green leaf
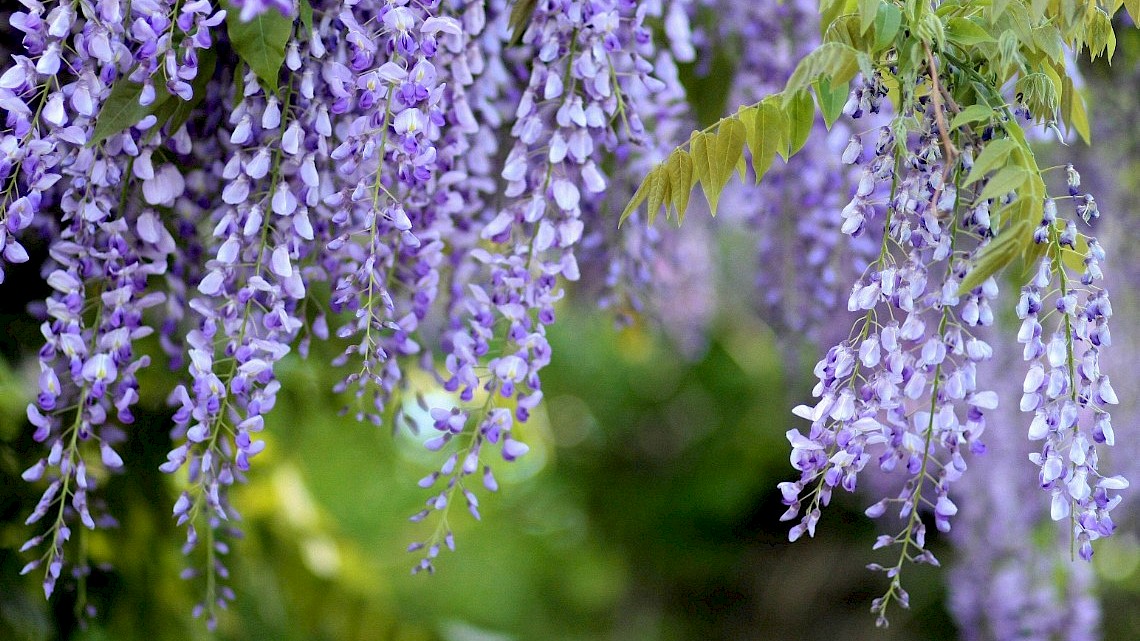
(1073,108)
(1133,7)
(680,168)
(1004,181)
(1028,204)
(1073,260)
(702,171)
(868,11)
(801,116)
(835,60)
(993,155)
(829,10)
(997,8)
(724,148)
(658,191)
(730,147)
(639,197)
(766,133)
(1000,252)
(972,114)
(1047,39)
(966,33)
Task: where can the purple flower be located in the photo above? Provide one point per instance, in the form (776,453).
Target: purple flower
(250,9)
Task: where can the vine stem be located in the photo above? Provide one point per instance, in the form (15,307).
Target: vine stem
(939,109)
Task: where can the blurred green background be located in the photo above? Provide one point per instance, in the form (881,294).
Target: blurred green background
(646,509)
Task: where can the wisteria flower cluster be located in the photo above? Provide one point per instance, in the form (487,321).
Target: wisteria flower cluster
(199,168)
(949,193)
(419,180)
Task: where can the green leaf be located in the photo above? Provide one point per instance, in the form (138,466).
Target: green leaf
(831,99)
(997,8)
(260,43)
(306,15)
(639,197)
(239,88)
(997,254)
(835,60)
(680,168)
(887,23)
(175,113)
(966,33)
(122,110)
(868,11)
(715,156)
(521,13)
(658,192)
(994,154)
(1004,181)
(766,130)
(1073,108)
(801,117)
(972,114)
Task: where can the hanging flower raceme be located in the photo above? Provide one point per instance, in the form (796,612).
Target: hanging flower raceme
(102,256)
(389,230)
(589,66)
(950,194)
(903,393)
(1064,388)
(1008,579)
(641,270)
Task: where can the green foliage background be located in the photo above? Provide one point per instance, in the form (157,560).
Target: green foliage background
(644,511)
